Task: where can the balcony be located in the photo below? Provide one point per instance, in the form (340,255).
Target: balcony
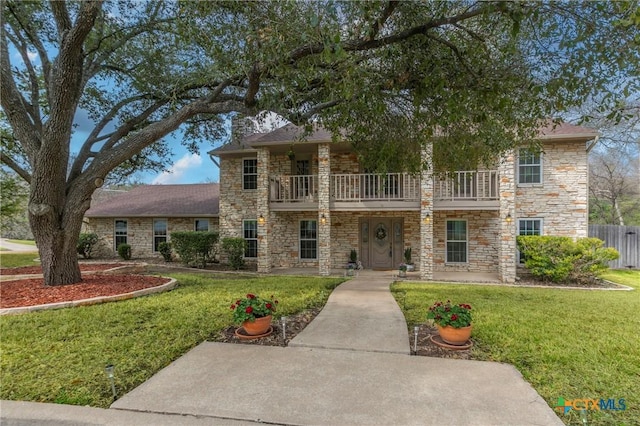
(391,191)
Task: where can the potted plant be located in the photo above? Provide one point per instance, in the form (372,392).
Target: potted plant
(353,262)
(402,270)
(453,321)
(254,313)
(407,260)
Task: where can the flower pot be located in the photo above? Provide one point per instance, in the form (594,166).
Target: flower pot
(455,336)
(411,267)
(402,273)
(259,326)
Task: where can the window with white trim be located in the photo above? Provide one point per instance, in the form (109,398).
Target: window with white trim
(529,166)
(120,233)
(201,225)
(250,173)
(528,226)
(456,241)
(159,232)
(308,239)
(250,235)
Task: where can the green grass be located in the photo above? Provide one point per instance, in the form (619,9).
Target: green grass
(13,260)
(59,356)
(566,343)
(25,242)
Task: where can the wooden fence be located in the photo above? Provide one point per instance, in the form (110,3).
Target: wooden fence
(625,239)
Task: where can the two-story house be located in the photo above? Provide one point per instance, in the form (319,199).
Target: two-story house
(308,204)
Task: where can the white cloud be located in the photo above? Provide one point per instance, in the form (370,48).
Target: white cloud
(177,171)
(32,55)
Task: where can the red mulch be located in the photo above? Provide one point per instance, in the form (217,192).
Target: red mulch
(30,292)
(84,267)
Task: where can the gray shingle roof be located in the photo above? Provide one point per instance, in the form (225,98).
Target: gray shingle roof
(192,200)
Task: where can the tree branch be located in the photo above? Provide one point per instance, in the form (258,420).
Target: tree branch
(9,162)
(62,18)
(380,22)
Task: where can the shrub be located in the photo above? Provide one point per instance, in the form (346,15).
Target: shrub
(86,243)
(165,250)
(234,248)
(124,251)
(560,259)
(195,248)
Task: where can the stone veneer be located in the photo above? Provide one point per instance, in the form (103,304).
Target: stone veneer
(561,201)
(139,233)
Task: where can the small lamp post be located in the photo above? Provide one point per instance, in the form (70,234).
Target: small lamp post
(110,372)
(283,320)
(415,339)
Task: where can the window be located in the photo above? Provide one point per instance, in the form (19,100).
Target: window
(308,239)
(529,166)
(456,241)
(528,227)
(201,225)
(250,173)
(159,232)
(250,234)
(120,233)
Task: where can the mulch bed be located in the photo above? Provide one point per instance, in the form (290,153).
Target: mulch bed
(84,267)
(32,291)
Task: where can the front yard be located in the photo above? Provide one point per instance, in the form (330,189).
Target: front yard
(573,344)
(59,356)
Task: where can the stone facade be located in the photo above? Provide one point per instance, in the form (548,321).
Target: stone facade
(560,201)
(139,233)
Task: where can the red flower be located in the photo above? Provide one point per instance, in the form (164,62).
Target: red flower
(233,307)
(269,305)
(238,302)
(251,296)
(249,309)
(454,317)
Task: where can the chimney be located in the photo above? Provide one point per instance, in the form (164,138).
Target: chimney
(241,126)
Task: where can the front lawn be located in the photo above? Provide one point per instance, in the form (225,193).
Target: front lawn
(573,344)
(15,259)
(59,356)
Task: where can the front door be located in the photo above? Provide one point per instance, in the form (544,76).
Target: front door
(381,240)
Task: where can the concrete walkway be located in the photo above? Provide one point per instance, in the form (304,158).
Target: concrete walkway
(350,366)
(9,246)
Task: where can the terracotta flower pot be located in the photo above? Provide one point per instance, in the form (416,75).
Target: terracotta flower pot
(259,326)
(455,336)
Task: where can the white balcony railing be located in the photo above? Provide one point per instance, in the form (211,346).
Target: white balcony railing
(467,186)
(375,187)
(294,189)
(457,186)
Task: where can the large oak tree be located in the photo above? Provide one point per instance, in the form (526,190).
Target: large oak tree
(388,74)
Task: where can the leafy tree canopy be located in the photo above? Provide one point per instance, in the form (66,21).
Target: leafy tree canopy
(389,75)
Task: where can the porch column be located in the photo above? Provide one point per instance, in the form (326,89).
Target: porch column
(507,220)
(426,216)
(324,216)
(262,213)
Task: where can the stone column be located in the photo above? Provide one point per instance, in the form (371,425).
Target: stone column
(262,207)
(426,216)
(324,216)
(507,219)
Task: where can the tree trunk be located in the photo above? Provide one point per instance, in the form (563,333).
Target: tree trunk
(56,227)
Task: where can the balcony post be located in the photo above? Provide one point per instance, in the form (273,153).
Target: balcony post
(507,227)
(324,216)
(426,217)
(262,207)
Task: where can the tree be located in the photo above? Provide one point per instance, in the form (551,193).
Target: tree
(388,75)
(13,194)
(614,186)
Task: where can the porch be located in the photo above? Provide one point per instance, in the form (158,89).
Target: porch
(452,277)
(471,190)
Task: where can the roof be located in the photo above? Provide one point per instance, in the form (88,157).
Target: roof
(291,133)
(566,131)
(192,200)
